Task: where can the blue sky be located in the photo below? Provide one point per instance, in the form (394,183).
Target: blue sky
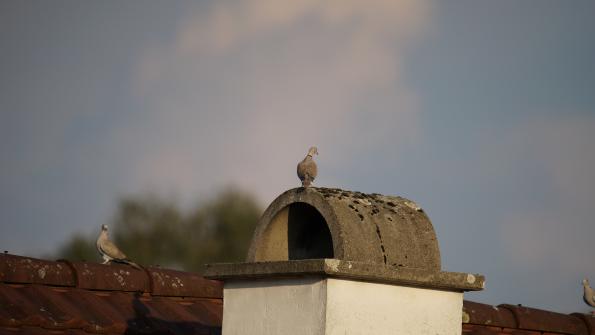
(483,112)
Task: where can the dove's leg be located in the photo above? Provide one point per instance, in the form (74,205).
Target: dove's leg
(106,259)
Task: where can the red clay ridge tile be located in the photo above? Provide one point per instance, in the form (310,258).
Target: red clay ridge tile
(588,319)
(546,321)
(183,284)
(112,277)
(91,298)
(17,269)
(482,314)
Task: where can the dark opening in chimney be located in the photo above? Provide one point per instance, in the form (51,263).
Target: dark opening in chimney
(308,235)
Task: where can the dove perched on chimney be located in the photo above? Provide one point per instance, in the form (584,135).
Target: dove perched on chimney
(307,169)
(110,252)
(588,293)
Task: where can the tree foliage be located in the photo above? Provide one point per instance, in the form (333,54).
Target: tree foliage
(78,247)
(154,231)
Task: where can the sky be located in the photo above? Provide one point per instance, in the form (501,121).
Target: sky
(483,112)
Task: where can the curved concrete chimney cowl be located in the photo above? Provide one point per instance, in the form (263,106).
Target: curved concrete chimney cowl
(332,223)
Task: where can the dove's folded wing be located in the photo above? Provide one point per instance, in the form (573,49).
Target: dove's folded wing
(110,249)
(312,169)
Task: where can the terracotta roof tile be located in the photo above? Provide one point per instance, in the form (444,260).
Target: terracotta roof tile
(589,320)
(180,284)
(488,315)
(43,297)
(114,312)
(510,319)
(17,269)
(114,277)
(16,309)
(538,319)
(470,329)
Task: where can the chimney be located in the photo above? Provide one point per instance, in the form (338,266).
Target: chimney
(330,261)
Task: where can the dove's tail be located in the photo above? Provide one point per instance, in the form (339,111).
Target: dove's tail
(133,264)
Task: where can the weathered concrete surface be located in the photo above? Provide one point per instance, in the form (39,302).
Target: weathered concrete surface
(333,306)
(332,223)
(379,273)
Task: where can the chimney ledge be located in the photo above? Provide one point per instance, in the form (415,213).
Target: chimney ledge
(335,268)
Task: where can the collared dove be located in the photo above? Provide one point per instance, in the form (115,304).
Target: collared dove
(110,252)
(588,293)
(306,169)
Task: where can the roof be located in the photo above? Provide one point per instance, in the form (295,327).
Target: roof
(40,297)
(37,296)
(514,319)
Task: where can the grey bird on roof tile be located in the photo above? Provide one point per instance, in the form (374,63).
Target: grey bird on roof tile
(307,169)
(110,252)
(588,293)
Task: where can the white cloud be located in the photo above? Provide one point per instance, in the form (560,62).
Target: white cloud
(246,87)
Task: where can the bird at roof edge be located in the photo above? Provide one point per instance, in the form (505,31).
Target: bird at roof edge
(307,169)
(588,294)
(109,251)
